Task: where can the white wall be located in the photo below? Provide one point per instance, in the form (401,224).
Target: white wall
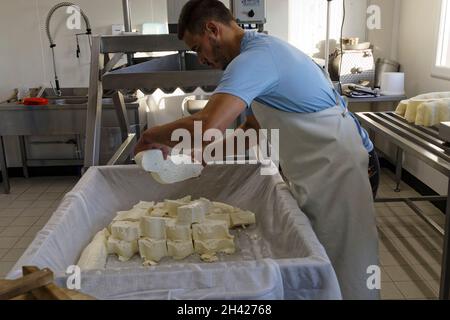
(417,45)
(25,45)
(417,21)
(277,12)
(384,40)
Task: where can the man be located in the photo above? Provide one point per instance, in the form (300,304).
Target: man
(323,149)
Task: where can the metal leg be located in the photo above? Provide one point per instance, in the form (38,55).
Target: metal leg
(94,112)
(123,153)
(444,291)
(122,116)
(398,168)
(23,154)
(371,133)
(79,151)
(4,167)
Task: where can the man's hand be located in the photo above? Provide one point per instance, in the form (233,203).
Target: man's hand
(143,145)
(219,113)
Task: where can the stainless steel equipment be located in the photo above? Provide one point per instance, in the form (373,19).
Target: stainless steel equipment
(384,65)
(245,12)
(425,144)
(249,11)
(352,66)
(444,131)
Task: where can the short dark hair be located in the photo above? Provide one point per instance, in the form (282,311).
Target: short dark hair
(195,13)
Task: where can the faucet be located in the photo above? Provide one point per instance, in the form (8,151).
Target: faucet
(53,45)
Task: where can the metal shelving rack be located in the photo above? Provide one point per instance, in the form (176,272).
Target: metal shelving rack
(427,145)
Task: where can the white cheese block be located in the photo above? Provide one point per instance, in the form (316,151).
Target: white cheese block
(149,263)
(159,212)
(125,250)
(219,207)
(95,254)
(153,227)
(125,230)
(401,108)
(211,229)
(172,205)
(134,214)
(411,110)
(145,205)
(153,250)
(173,173)
(186,199)
(174,169)
(242,218)
(433,112)
(178,232)
(206,204)
(191,213)
(150,160)
(160,205)
(214,245)
(180,249)
(209,258)
(220,217)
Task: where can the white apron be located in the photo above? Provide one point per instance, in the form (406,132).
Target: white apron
(323,157)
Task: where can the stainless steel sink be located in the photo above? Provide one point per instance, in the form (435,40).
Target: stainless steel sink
(67,101)
(78,96)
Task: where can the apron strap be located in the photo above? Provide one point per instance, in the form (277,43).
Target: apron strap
(336,94)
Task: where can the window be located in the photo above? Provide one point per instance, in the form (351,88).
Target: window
(441,67)
(307,25)
(308,22)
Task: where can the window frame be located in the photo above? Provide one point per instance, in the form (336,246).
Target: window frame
(443,28)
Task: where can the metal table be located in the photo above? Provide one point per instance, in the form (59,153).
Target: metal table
(20,120)
(374,100)
(426,144)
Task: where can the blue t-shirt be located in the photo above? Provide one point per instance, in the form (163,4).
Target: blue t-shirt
(277,74)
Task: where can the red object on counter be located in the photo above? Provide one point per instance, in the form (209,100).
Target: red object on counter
(35,101)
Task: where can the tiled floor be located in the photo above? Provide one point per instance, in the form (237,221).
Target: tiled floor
(25,211)
(410,251)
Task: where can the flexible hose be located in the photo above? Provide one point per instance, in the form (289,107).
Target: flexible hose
(56,7)
(52,45)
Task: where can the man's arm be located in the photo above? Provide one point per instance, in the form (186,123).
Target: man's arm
(219,113)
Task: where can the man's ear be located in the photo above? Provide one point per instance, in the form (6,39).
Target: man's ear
(212,28)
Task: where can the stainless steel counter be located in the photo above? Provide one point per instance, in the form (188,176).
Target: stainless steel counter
(63,116)
(24,120)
